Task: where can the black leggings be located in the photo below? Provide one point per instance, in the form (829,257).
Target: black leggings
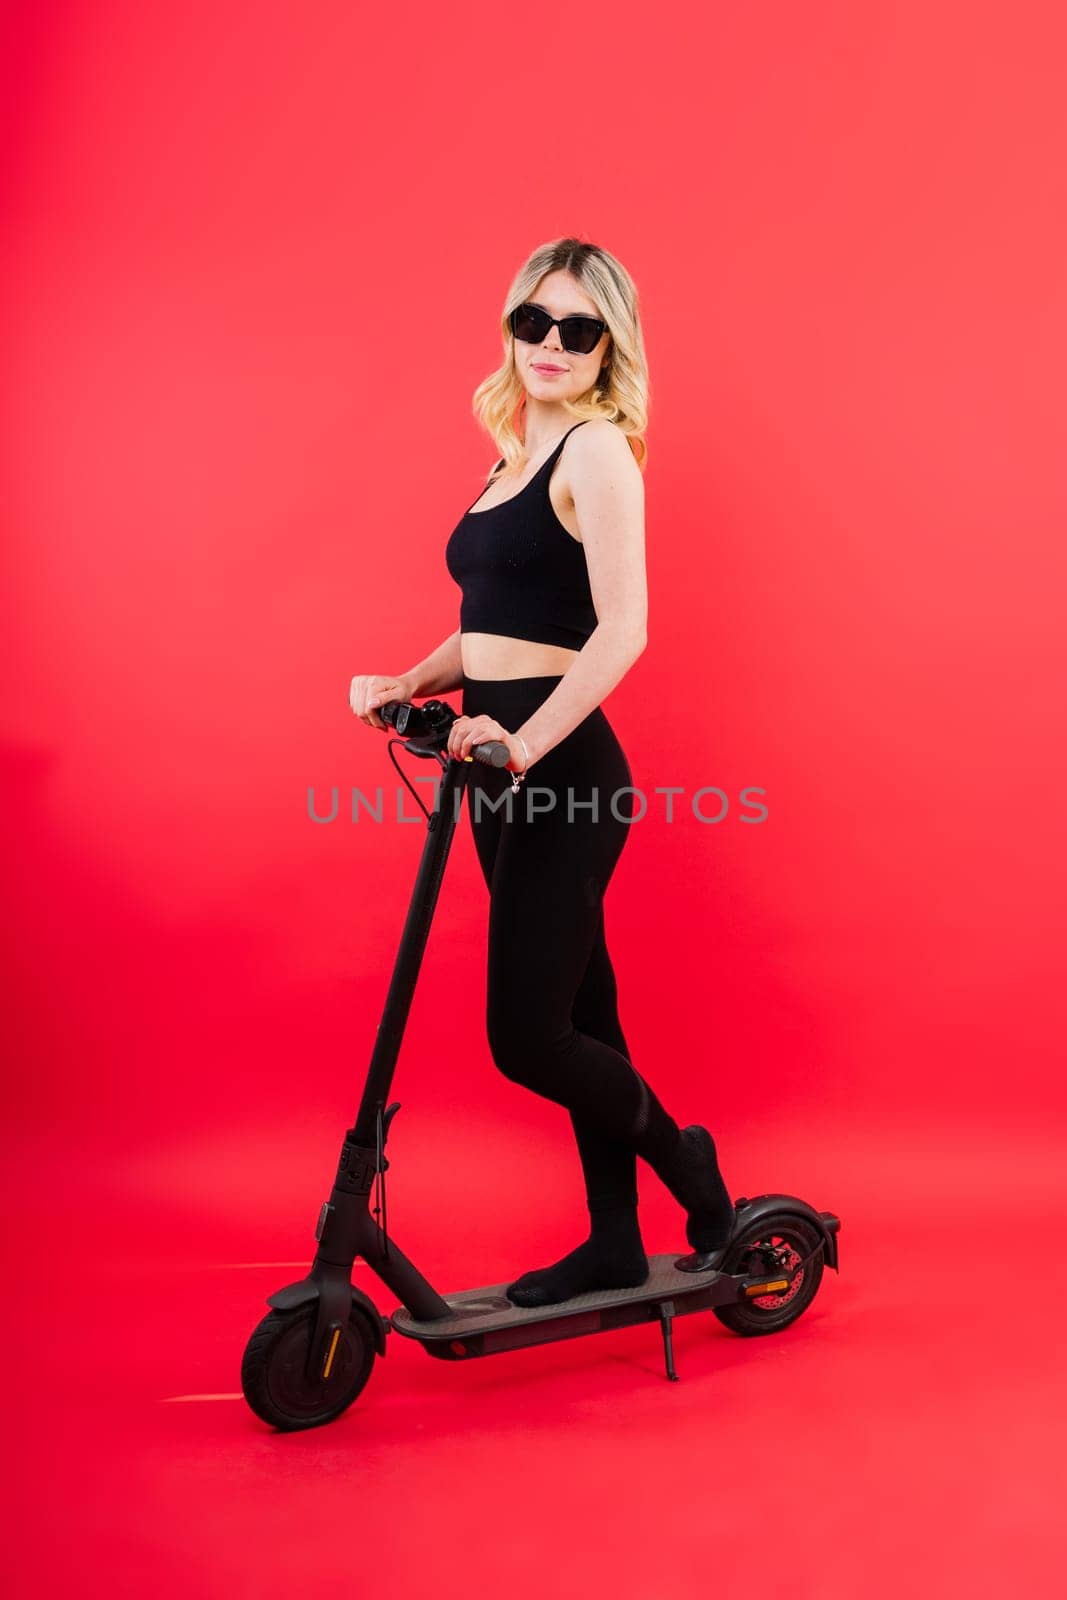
(552,1017)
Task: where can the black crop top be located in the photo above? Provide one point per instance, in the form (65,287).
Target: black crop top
(522,574)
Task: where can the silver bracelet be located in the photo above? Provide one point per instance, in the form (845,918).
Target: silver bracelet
(517,777)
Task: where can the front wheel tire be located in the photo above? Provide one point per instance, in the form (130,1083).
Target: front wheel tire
(274,1375)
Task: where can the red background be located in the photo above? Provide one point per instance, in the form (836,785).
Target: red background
(254,262)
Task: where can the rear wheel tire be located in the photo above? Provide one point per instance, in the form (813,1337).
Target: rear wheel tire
(776,1245)
(274,1369)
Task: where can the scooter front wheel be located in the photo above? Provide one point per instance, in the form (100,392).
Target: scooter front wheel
(777,1245)
(274,1376)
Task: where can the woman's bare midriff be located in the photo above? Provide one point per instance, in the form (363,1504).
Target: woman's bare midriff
(495,655)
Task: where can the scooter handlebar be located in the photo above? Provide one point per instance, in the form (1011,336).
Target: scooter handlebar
(433,719)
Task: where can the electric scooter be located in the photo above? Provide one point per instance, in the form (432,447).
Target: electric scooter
(314,1351)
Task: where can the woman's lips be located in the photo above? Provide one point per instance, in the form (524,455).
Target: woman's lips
(549,372)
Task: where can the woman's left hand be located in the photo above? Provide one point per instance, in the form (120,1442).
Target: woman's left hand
(468,731)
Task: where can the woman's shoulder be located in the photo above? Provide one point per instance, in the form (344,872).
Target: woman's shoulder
(599,444)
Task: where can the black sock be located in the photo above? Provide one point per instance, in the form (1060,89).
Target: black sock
(685,1160)
(692,1175)
(612,1257)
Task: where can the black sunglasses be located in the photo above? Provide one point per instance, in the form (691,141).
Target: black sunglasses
(579,335)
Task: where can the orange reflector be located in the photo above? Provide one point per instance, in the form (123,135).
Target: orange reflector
(767,1288)
(331,1353)
(458,1347)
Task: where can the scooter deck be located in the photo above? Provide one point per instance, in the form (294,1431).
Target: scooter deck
(489,1309)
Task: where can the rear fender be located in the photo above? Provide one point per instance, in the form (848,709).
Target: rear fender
(768,1205)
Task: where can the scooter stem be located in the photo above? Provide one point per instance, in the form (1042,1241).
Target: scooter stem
(439,832)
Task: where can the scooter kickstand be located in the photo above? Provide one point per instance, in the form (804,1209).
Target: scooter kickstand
(666,1317)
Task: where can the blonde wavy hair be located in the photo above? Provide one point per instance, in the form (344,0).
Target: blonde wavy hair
(620,392)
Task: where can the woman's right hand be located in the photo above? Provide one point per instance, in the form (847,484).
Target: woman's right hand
(374,689)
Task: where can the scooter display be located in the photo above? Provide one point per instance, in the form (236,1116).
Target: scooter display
(315,1350)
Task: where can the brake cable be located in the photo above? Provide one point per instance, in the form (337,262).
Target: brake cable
(426,755)
(379,1182)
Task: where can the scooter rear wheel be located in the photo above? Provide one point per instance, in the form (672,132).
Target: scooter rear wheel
(776,1244)
(274,1375)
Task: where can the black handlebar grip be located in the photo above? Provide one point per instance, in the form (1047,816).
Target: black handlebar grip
(491,753)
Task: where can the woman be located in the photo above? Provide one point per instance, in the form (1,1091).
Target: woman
(550,560)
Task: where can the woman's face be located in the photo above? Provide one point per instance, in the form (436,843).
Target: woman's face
(561,296)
